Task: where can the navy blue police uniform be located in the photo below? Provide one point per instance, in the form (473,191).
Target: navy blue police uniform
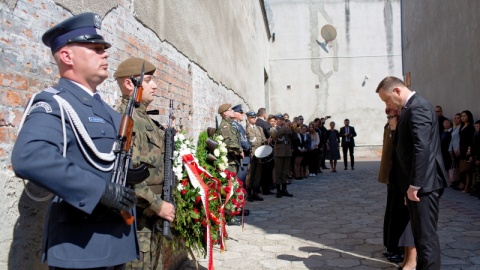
(79,231)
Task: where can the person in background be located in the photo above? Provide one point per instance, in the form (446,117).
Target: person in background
(441,118)
(83,226)
(333,146)
(454,148)
(466,139)
(419,162)
(246,147)
(445,139)
(282,135)
(348,134)
(148,149)
(230,137)
(267,168)
(313,155)
(257,138)
(476,159)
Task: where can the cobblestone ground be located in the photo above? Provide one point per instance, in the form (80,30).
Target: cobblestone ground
(334,221)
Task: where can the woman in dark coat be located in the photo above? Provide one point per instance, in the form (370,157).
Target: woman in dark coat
(333,146)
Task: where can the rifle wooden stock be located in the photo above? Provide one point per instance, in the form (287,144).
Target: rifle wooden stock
(123,145)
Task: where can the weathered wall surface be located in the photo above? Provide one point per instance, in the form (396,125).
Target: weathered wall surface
(190,45)
(368,43)
(441,51)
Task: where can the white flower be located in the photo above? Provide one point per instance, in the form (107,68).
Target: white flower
(175,153)
(181,137)
(221,167)
(180,186)
(216,152)
(220,138)
(224,159)
(222,174)
(223,149)
(183,147)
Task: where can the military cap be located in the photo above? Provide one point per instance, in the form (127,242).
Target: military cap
(224,107)
(81,28)
(237,108)
(251,114)
(133,67)
(278,116)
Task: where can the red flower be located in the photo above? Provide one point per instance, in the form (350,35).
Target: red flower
(184,191)
(198,199)
(240,197)
(185,182)
(227,189)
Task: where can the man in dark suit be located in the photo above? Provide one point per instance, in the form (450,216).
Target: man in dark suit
(348,143)
(419,162)
(83,226)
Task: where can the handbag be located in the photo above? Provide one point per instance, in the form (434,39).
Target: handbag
(452,174)
(465,166)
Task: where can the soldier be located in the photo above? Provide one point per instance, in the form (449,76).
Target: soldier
(148,149)
(230,137)
(267,168)
(244,143)
(282,135)
(83,227)
(257,138)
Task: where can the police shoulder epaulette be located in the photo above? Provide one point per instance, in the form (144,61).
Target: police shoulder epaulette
(52,90)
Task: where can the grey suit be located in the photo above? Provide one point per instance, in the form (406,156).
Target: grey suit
(420,163)
(79,232)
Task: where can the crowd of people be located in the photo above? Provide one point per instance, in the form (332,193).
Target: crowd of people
(460,144)
(272,149)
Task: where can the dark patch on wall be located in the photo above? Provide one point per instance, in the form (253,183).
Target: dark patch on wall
(388,22)
(347,22)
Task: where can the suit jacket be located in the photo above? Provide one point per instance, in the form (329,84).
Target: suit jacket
(265,125)
(79,232)
(417,145)
(351,131)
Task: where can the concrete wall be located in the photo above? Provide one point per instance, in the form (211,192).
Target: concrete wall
(206,54)
(368,43)
(442,50)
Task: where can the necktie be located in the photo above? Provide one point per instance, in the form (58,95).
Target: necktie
(347,139)
(97,97)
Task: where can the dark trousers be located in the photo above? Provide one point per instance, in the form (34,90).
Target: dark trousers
(117,267)
(395,220)
(348,146)
(267,176)
(424,218)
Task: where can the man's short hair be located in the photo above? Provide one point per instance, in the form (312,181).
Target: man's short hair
(389,83)
(261,112)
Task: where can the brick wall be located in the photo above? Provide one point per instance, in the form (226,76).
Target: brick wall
(26,67)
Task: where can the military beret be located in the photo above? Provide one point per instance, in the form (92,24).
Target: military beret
(133,67)
(251,114)
(81,28)
(237,108)
(278,116)
(224,107)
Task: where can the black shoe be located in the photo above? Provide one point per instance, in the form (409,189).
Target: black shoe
(325,168)
(268,192)
(396,258)
(388,254)
(353,168)
(345,168)
(257,198)
(250,199)
(278,195)
(286,194)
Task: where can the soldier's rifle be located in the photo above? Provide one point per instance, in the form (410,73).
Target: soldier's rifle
(169,183)
(122,147)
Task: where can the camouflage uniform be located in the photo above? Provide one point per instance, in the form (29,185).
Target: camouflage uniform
(231,139)
(149,149)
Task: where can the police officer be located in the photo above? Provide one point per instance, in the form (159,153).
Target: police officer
(83,227)
(257,138)
(230,137)
(244,143)
(282,136)
(148,149)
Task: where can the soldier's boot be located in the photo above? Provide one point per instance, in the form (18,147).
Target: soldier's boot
(285,192)
(256,197)
(250,197)
(279,192)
